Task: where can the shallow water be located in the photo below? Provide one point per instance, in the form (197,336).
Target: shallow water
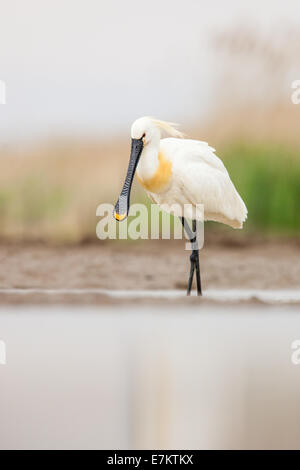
(141,377)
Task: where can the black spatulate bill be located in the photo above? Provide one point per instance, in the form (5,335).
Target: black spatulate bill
(122,206)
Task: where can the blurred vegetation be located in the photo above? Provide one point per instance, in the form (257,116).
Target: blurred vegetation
(268,178)
(51,193)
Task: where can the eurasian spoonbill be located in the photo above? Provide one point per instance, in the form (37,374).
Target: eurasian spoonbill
(179,174)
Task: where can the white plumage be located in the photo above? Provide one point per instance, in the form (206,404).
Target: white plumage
(198,176)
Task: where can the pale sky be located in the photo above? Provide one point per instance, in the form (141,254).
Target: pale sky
(93,66)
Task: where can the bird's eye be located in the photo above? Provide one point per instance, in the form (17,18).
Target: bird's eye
(144,135)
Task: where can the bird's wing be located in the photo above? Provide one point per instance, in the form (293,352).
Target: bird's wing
(192,150)
(201,177)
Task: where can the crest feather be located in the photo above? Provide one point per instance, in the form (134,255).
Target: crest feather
(169,128)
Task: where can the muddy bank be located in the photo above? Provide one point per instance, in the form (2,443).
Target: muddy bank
(144,265)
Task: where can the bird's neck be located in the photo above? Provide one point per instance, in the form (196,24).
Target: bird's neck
(148,162)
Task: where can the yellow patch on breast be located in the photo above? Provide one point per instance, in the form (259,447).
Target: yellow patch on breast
(161,177)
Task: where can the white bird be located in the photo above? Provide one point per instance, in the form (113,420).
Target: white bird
(179,174)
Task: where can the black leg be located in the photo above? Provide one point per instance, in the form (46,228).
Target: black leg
(192,269)
(198,277)
(194,258)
